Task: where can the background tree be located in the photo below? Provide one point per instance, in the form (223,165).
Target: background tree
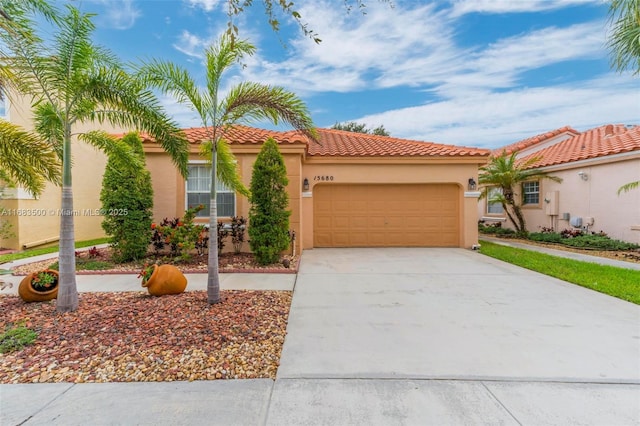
(243,102)
(624,39)
(127,200)
(71,80)
(352,126)
(508,174)
(268,215)
(624,45)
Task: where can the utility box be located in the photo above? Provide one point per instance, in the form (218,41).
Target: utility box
(566,216)
(576,222)
(551,203)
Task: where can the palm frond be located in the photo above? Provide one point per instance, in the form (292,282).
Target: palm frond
(113,147)
(26,159)
(48,125)
(128,105)
(174,80)
(628,187)
(254,101)
(624,39)
(220,56)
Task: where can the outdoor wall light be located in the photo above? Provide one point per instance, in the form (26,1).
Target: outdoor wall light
(472,184)
(305,184)
(583,175)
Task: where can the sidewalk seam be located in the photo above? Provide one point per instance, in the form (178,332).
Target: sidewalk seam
(47,404)
(501,404)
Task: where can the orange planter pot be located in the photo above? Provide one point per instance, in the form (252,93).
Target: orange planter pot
(30,294)
(166,279)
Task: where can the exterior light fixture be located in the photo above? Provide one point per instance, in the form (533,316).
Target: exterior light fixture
(305,184)
(583,175)
(472,184)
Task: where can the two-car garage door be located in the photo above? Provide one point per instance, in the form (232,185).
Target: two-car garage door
(380,215)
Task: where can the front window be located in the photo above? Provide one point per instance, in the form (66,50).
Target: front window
(531,193)
(198,192)
(494,207)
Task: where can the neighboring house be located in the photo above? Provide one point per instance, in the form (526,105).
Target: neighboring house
(347,190)
(593,165)
(36,222)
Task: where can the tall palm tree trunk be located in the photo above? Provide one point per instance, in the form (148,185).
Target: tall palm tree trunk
(213,279)
(67,300)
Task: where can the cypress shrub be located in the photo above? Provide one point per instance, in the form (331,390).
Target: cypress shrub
(268,215)
(127,203)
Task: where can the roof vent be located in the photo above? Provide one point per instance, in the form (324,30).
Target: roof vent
(608,131)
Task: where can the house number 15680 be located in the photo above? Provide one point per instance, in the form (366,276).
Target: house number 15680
(323,178)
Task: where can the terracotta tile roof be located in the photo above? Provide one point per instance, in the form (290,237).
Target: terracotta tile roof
(598,142)
(340,143)
(526,143)
(246,135)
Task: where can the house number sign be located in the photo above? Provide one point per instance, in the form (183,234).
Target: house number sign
(323,178)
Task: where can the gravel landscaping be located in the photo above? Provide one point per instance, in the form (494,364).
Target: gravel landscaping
(131,336)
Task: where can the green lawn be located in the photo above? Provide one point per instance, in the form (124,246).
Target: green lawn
(618,282)
(38,251)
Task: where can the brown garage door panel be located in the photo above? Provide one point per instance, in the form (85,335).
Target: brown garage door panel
(424,215)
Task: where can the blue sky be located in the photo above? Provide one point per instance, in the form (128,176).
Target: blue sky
(482,73)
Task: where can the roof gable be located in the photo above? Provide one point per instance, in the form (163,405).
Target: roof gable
(530,144)
(594,143)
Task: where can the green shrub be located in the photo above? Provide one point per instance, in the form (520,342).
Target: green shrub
(598,242)
(127,200)
(182,235)
(505,233)
(268,216)
(546,237)
(16,337)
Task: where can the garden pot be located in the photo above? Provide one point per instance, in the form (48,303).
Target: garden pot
(166,279)
(29,294)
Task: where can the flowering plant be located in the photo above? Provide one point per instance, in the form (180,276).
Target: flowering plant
(147,271)
(44,280)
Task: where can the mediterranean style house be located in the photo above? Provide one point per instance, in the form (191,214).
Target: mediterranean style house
(592,165)
(346,190)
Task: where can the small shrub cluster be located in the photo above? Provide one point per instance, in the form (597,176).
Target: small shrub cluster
(181,235)
(16,337)
(496,229)
(236,230)
(579,239)
(88,261)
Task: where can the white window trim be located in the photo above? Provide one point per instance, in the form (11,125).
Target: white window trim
(489,203)
(524,194)
(186,192)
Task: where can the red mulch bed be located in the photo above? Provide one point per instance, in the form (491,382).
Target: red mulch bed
(131,336)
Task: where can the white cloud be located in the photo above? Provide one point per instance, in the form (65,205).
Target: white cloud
(191,44)
(462,7)
(493,119)
(119,14)
(207,5)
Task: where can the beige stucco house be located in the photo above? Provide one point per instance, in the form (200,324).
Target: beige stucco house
(592,165)
(347,190)
(36,221)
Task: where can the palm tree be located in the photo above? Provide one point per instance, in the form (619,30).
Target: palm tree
(25,159)
(244,102)
(507,173)
(624,39)
(71,81)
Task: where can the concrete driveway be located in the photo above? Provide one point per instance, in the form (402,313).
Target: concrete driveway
(416,336)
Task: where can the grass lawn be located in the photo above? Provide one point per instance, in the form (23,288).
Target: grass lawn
(617,282)
(38,251)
